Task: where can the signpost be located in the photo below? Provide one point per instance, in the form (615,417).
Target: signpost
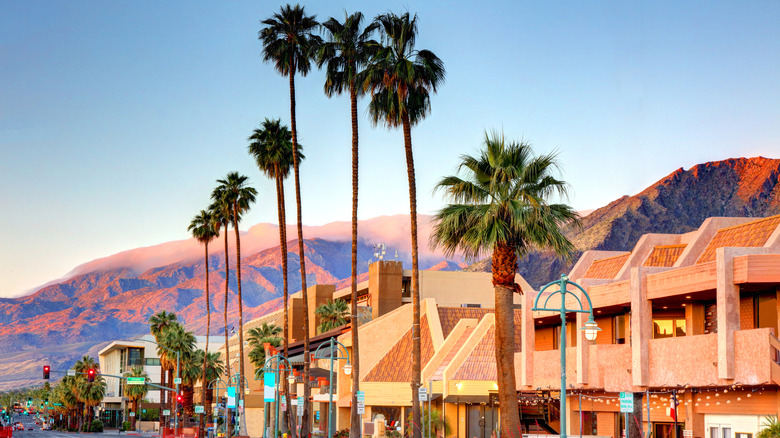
(72,373)
(361,402)
(300,407)
(167,412)
(136,380)
(199,409)
(422,393)
(177,380)
(626,406)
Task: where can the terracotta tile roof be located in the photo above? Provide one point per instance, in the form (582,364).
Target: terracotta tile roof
(747,235)
(481,363)
(439,373)
(664,256)
(396,366)
(606,268)
(449,316)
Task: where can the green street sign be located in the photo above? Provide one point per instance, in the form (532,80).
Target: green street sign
(136,380)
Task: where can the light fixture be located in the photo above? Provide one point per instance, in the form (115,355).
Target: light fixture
(591,329)
(688,297)
(347,369)
(291,379)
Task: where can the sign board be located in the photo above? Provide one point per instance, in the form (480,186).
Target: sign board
(231,397)
(136,380)
(166,412)
(422,393)
(132,414)
(283,400)
(361,396)
(300,407)
(72,373)
(269,387)
(241,403)
(177,380)
(361,408)
(199,409)
(626,402)
(687,433)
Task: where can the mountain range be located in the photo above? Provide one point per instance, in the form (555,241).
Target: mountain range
(113,297)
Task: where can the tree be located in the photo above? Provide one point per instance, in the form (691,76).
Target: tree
(204,228)
(175,339)
(136,392)
(401,79)
(288,42)
(238,195)
(215,367)
(501,206)
(770,428)
(347,51)
(87,393)
(332,314)
(264,334)
(158,323)
(272,148)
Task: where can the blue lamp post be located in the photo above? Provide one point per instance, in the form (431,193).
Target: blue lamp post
(335,349)
(241,385)
(590,328)
(282,364)
(216,383)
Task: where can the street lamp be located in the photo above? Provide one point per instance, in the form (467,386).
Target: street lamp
(178,376)
(280,362)
(241,385)
(589,328)
(217,381)
(333,348)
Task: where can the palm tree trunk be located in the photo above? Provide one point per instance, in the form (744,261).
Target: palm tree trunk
(302,257)
(203,383)
(354,423)
(240,389)
(416,349)
(504,266)
(283,249)
(227,339)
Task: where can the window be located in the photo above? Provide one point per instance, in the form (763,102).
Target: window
(135,357)
(668,327)
(765,310)
(619,329)
(152,362)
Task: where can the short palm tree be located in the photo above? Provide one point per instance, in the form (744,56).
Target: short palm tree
(84,390)
(770,428)
(175,339)
(158,323)
(215,367)
(346,52)
(401,79)
(264,334)
(501,207)
(204,228)
(332,314)
(136,392)
(289,43)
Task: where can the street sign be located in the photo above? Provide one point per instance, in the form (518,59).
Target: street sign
(361,396)
(72,373)
(177,380)
(300,407)
(361,408)
(166,412)
(132,414)
(269,387)
(199,409)
(626,402)
(422,393)
(136,380)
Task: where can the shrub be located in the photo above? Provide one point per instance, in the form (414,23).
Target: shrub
(770,428)
(394,434)
(96,426)
(343,433)
(126,425)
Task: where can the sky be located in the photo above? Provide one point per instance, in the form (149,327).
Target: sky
(117,118)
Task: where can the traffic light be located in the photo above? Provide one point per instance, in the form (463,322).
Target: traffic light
(46,401)
(46,372)
(91,375)
(179,398)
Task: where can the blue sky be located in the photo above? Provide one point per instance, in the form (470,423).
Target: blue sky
(116,118)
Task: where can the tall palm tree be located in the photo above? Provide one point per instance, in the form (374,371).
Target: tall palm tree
(332,314)
(348,50)
(158,323)
(222,215)
(288,42)
(501,206)
(271,146)
(235,192)
(401,79)
(136,392)
(204,228)
(265,333)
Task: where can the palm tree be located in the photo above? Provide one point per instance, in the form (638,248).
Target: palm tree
(191,372)
(204,228)
(264,334)
(91,394)
(158,323)
(501,207)
(175,339)
(288,42)
(401,78)
(235,192)
(221,212)
(271,146)
(332,314)
(347,51)
(214,368)
(136,392)
(84,390)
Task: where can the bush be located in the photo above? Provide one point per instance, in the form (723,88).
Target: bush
(150,415)
(96,426)
(770,428)
(126,425)
(343,433)
(394,434)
